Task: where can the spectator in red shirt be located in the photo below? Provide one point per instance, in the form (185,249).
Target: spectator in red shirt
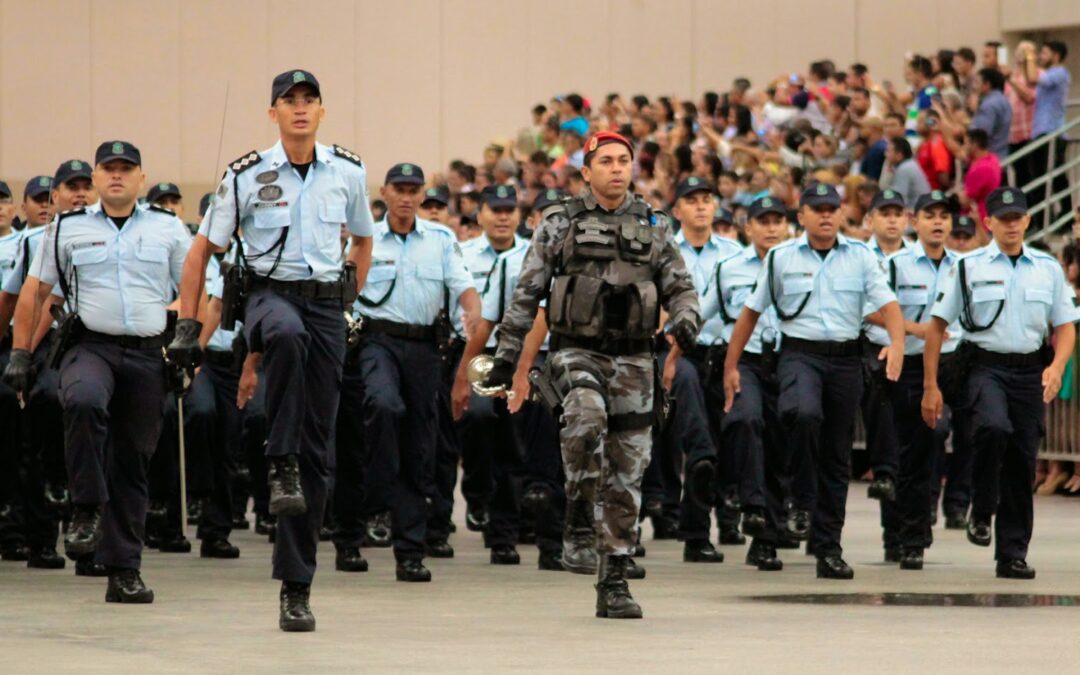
(983,175)
(933,155)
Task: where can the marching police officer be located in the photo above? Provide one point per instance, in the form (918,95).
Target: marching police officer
(820,284)
(12,540)
(606,264)
(1005,295)
(116,262)
(290,201)
(415,263)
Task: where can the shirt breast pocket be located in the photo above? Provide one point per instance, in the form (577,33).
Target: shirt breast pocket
(799,285)
(432,273)
(908,297)
(848,285)
(271,218)
(92,255)
(332,211)
(986,294)
(1039,303)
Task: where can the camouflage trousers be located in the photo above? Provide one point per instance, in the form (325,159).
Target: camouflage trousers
(604,466)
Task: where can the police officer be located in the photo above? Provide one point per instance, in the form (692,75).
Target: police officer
(436,205)
(12,541)
(290,202)
(688,433)
(751,430)
(606,263)
(167,195)
(414,265)
(820,284)
(1005,296)
(116,262)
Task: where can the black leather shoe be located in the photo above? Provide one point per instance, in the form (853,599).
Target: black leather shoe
(613,599)
(84,532)
(57,497)
(286,493)
(731,537)
(296,616)
(955,521)
(88,568)
(1015,569)
(265,524)
(798,524)
(701,551)
(240,522)
(892,554)
(786,540)
(664,528)
(834,567)
(412,570)
(45,559)
(15,553)
(127,586)
(551,561)
(440,548)
(634,570)
(505,555)
(476,518)
(194,514)
(753,522)
(700,479)
(912,559)
(883,488)
(175,544)
(349,559)
(378,530)
(536,500)
(978,532)
(218,548)
(638,550)
(763,556)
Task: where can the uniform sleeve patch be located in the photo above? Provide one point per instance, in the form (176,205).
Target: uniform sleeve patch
(348,154)
(940,295)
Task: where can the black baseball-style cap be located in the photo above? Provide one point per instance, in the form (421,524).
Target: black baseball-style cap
(766,205)
(501,196)
(70,170)
(405,173)
(548,198)
(37,185)
(691,185)
(963,225)
(934,198)
(820,194)
(163,190)
(289,79)
(5,191)
(1006,201)
(885,198)
(204,203)
(439,194)
(110,150)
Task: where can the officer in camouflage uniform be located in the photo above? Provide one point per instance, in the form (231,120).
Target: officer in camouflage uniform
(605,263)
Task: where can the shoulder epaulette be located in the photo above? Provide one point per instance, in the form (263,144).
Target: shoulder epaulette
(345,153)
(71,212)
(162,209)
(245,162)
(554,209)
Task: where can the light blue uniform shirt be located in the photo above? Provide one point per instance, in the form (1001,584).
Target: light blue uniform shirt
(11,254)
(29,241)
(917,283)
(276,202)
(848,284)
(1035,294)
(121,279)
(411,275)
(877,334)
(738,274)
(702,267)
(486,265)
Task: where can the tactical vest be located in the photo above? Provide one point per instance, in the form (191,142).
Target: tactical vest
(604,284)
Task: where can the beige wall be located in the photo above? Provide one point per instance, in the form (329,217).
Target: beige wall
(417,80)
(1039,14)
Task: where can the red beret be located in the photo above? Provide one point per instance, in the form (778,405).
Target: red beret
(603,138)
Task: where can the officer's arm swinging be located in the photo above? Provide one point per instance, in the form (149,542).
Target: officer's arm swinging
(193,280)
(32,298)
(1064,341)
(360,255)
(894,324)
(740,335)
(459,395)
(932,402)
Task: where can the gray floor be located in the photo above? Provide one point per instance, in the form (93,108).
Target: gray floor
(222,616)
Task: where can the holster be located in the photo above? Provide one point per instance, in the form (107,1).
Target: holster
(545,391)
(714,362)
(768,357)
(348,286)
(954,370)
(69,330)
(444,331)
(663,403)
(233,295)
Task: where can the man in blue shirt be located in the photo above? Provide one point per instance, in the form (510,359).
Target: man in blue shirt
(1051,92)
(994,115)
(290,201)
(822,285)
(1006,296)
(117,263)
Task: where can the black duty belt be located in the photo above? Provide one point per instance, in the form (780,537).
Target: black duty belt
(219,357)
(821,347)
(307,289)
(984,357)
(750,358)
(405,331)
(622,347)
(129,341)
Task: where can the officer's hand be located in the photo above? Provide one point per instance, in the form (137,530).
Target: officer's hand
(20,372)
(249,379)
(894,362)
(932,404)
(459,396)
(520,389)
(500,375)
(732,386)
(1051,381)
(685,333)
(184,350)
(668,375)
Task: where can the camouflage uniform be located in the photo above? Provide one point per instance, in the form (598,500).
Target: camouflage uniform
(597,382)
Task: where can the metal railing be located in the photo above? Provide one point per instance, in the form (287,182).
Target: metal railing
(1050,198)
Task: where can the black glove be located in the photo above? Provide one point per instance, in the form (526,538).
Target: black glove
(685,334)
(500,375)
(20,372)
(184,351)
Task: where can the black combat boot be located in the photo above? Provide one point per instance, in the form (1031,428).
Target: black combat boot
(286,493)
(296,616)
(613,599)
(84,532)
(579,538)
(126,585)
